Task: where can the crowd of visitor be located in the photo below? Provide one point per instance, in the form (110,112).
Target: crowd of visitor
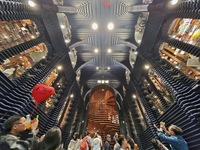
(21,134)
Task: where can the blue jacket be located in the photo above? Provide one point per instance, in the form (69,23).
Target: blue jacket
(176,141)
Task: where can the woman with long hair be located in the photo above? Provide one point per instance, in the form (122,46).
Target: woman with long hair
(51,140)
(74,143)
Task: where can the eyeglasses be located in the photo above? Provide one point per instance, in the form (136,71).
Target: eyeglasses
(18,123)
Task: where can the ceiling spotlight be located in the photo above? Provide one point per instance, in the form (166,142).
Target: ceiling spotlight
(108,68)
(134,96)
(97,68)
(136,52)
(174,2)
(94,26)
(31,3)
(107,81)
(96,50)
(67,41)
(110,26)
(71,95)
(109,50)
(59,67)
(147,67)
(62,26)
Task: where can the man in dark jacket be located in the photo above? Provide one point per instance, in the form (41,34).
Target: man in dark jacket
(107,142)
(13,134)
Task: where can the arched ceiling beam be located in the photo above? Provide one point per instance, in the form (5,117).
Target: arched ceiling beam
(118,41)
(87,41)
(122,65)
(122,9)
(85,64)
(83,9)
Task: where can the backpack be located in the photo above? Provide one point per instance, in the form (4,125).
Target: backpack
(84,144)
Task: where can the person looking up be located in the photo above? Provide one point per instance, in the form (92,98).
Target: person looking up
(115,139)
(123,143)
(74,143)
(175,138)
(96,143)
(131,142)
(13,137)
(98,135)
(107,142)
(51,140)
(158,145)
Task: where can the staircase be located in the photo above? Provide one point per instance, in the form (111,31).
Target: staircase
(104,118)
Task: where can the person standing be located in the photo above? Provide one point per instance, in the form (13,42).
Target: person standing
(98,134)
(107,142)
(123,143)
(74,143)
(132,143)
(96,143)
(115,139)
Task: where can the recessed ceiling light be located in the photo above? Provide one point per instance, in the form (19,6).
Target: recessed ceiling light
(62,26)
(147,67)
(174,2)
(71,95)
(107,81)
(67,41)
(110,26)
(108,68)
(97,68)
(96,50)
(94,26)
(109,50)
(31,3)
(59,67)
(134,96)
